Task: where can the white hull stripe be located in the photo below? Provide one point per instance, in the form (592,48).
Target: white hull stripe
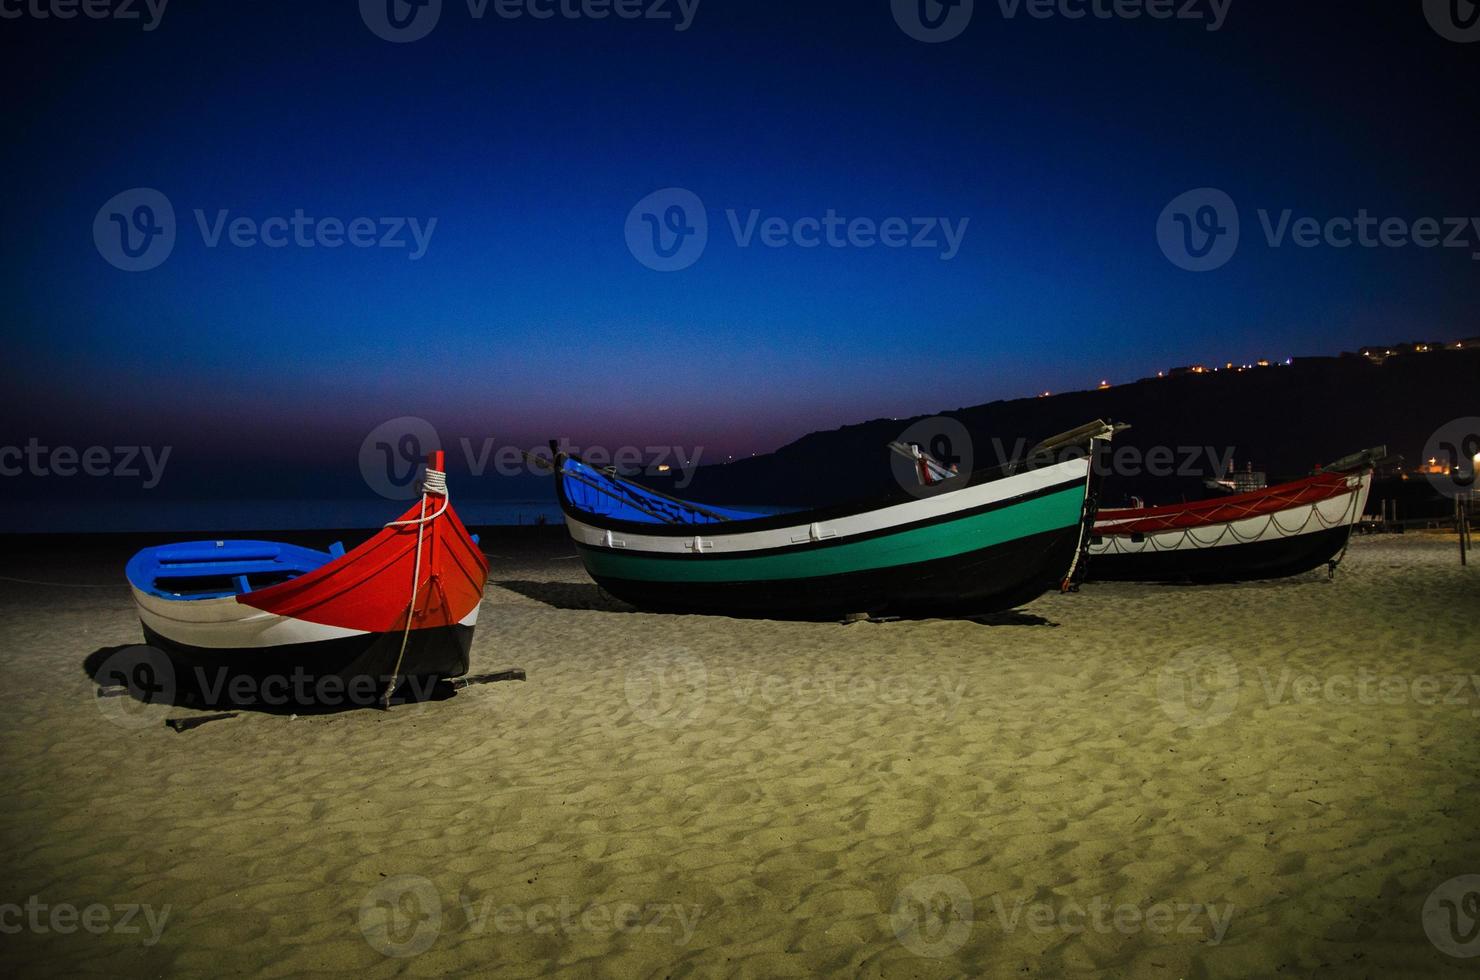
(1339,511)
(710,539)
(225,624)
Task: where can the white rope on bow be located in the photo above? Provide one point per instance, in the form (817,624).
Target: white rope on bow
(435,482)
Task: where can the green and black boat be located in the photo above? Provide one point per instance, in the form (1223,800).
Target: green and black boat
(999,539)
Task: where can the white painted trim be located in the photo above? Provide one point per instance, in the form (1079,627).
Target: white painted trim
(908,512)
(1333,511)
(223,624)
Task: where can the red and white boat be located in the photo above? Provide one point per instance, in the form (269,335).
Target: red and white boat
(277,623)
(1270,533)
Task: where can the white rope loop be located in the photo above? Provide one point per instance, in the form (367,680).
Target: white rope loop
(1228,530)
(433,484)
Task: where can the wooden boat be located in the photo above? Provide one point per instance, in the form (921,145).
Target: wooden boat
(258,620)
(1270,533)
(1000,539)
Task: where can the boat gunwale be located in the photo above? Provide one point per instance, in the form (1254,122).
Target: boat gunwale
(798,518)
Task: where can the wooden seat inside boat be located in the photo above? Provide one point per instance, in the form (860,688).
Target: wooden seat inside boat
(220,569)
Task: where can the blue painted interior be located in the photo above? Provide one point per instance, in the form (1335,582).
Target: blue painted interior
(597,492)
(217,569)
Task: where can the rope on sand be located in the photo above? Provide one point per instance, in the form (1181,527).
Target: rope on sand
(61,585)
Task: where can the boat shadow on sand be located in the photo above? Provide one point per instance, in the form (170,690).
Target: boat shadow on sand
(145,675)
(589,597)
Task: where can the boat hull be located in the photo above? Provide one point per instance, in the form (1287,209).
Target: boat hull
(262,624)
(1283,531)
(976,582)
(1277,558)
(339,673)
(976,550)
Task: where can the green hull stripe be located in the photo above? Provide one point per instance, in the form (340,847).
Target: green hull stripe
(943,540)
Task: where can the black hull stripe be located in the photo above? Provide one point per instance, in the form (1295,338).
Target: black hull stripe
(348,666)
(978,582)
(1228,563)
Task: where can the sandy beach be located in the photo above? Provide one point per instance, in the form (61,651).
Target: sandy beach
(1256,779)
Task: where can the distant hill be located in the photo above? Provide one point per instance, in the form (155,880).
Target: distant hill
(1284,419)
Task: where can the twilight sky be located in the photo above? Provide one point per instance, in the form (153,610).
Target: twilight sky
(1049,146)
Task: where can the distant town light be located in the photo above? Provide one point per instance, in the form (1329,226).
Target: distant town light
(662,467)
(1104,384)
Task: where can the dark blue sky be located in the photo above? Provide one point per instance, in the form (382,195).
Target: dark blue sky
(529,141)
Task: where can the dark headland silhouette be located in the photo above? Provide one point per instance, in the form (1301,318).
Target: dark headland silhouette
(1283,418)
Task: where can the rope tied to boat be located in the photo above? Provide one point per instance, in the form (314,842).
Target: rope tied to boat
(433,484)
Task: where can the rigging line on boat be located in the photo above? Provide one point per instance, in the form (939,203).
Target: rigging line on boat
(59,585)
(610,472)
(1229,529)
(624,497)
(434,482)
